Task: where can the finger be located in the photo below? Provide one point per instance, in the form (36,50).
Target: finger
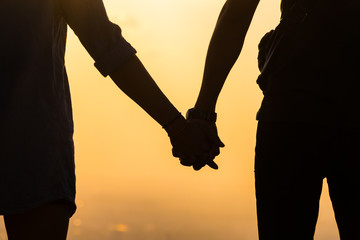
(212,164)
(185,163)
(175,153)
(180,155)
(203,160)
(200,161)
(216,140)
(219,142)
(214,151)
(198,166)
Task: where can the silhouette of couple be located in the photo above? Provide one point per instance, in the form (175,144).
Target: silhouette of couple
(308,121)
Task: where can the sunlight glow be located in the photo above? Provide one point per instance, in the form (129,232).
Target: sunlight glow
(122,228)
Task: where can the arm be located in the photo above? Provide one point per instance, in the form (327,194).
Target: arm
(189,143)
(134,80)
(224,49)
(114,56)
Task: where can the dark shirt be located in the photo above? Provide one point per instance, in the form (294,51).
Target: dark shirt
(318,79)
(37,155)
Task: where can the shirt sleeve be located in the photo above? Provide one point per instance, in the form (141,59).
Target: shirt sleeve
(101,38)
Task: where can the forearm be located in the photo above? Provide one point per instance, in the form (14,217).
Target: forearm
(134,80)
(224,49)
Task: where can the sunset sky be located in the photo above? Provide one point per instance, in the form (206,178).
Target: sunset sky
(129,186)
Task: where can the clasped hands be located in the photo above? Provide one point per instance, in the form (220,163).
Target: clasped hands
(195,142)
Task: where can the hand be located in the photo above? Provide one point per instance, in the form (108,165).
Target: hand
(213,141)
(196,143)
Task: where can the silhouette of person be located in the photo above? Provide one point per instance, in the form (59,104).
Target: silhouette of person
(309,119)
(37,180)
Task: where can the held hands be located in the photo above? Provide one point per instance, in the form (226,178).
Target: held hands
(195,142)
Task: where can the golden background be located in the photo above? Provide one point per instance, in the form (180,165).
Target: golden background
(129,187)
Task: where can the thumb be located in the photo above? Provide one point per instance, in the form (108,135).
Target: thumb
(212,164)
(214,138)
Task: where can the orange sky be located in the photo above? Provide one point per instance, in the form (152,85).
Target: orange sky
(129,185)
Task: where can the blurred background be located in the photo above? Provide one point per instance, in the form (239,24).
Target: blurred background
(129,187)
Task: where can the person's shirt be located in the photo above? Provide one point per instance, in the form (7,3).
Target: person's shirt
(318,81)
(36,125)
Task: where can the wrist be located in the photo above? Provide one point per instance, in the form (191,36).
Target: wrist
(205,105)
(175,126)
(206,101)
(201,114)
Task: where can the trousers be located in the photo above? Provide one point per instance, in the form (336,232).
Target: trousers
(291,161)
